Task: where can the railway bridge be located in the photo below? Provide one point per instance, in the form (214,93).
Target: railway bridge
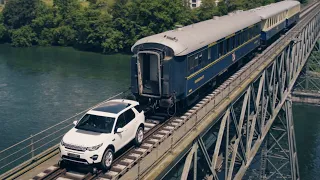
(242,130)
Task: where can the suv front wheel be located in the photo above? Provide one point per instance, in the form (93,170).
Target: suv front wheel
(139,136)
(107,159)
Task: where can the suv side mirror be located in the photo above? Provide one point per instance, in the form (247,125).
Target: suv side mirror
(119,130)
(75,122)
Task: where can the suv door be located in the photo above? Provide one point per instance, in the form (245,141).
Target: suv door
(120,139)
(132,125)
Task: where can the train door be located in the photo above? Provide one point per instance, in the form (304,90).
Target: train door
(149,73)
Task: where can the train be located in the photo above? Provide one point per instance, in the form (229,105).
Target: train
(173,67)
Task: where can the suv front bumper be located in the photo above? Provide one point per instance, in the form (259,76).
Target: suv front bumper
(82,157)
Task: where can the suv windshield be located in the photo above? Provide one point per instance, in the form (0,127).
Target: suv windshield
(95,123)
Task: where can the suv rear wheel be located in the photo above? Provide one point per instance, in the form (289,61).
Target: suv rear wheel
(139,136)
(107,159)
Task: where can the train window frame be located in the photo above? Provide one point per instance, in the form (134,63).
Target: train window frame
(233,42)
(220,49)
(190,62)
(200,59)
(242,37)
(236,40)
(228,45)
(209,53)
(196,61)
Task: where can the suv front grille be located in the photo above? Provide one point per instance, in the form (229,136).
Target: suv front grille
(75,147)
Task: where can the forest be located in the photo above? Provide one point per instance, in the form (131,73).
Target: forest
(104,26)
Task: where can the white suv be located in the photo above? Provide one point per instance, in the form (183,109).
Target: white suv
(103,131)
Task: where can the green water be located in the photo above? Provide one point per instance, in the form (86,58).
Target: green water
(41,86)
(307,130)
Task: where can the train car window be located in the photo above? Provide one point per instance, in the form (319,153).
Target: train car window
(228,45)
(191,62)
(196,61)
(209,54)
(236,40)
(225,49)
(242,37)
(249,33)
(246,36)
(214,52)
(200,59)
(232,42)
(220,49)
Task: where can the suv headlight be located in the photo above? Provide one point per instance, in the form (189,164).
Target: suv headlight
(93,148)
(61,142)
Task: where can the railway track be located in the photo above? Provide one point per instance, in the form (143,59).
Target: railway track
(153,123)
(155,133)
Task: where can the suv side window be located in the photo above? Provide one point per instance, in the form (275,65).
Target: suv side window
(129,115)
(138,108)
(120,122)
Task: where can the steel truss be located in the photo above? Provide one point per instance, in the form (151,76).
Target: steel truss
(309,79)
(256,131)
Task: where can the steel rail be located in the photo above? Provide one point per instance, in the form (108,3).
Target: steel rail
(89,176)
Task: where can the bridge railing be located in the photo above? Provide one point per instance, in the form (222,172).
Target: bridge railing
(42,143)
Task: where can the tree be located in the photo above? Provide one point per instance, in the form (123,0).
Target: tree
(139,18)
(23,37)
(64,35)
(66,8)
(18,13)
(207,10)
(95,31)
(3,30)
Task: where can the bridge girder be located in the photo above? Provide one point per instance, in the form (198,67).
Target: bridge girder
(259,122)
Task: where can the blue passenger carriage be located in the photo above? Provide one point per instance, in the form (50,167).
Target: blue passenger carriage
(293,12)
(277,17)
(173,65)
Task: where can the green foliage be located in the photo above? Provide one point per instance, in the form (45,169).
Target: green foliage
(18,13)
(46,37)
(245,5)
(3,32)
(64,35)
(23,37)
(66,8)
(139,18)
(105,26)
(208,9)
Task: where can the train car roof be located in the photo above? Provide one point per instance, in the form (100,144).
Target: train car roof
(193,37)
(272,9)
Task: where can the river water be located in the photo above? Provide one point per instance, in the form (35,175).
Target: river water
(41,86)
